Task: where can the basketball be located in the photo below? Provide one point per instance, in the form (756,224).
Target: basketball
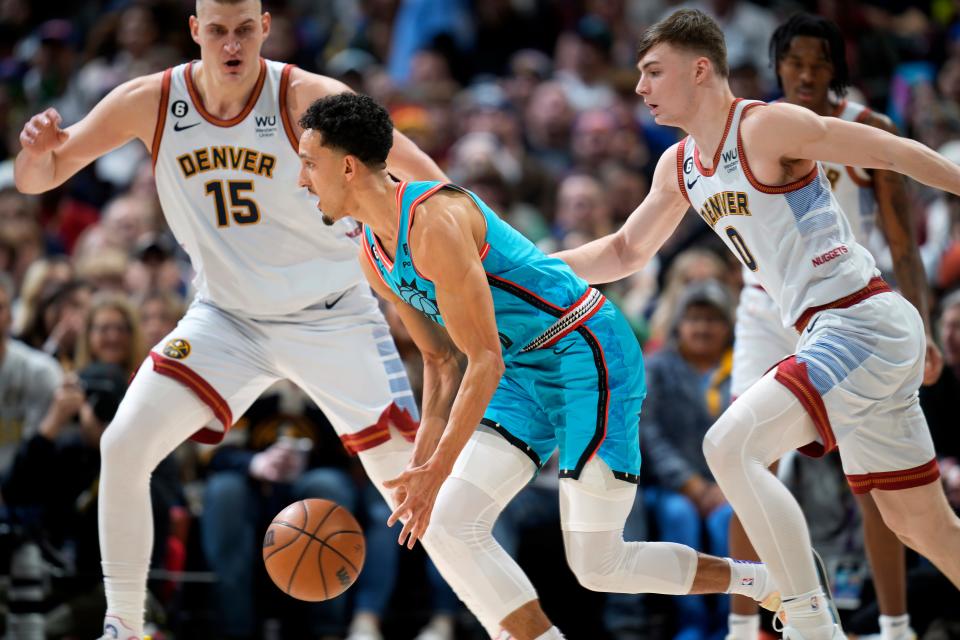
(314,550)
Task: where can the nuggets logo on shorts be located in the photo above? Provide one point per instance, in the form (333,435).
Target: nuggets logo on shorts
(178,349)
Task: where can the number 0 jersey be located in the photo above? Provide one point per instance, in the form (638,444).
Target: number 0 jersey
(793,238)
(229,193)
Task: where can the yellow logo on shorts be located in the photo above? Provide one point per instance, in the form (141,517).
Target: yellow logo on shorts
(178,349)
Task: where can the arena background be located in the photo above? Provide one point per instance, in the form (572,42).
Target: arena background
(531,104)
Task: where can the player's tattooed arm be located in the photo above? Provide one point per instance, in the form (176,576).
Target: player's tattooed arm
(446,235)
(628,250)
(406,161)
(782,132)
(896,221)
(51,155)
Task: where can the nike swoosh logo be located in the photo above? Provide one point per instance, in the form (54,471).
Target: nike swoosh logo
(331,305)
(177,127)
(812,324)
(690,184)
(560,352)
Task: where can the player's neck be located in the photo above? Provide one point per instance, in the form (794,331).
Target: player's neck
(709,121)
(376,207)
(224,100)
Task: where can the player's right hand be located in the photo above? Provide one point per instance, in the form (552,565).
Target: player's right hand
(42,133)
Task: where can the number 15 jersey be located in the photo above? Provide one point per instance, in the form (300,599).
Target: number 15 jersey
(793,238)
(229,193)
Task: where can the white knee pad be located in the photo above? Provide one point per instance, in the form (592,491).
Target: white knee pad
(593,510)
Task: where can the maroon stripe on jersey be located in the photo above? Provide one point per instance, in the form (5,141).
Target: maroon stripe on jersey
(284,116)
(756,184)
(892,480)
(716,155)
(214,120)
(161,115)
(683,189)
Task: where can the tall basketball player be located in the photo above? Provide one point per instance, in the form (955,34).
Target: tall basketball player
(751,171)
(807,54)
(279,293)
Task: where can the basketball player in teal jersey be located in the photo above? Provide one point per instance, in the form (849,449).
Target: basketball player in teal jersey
(550,363)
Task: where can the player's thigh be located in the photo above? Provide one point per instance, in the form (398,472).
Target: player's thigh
(516,416)
(218,356)
(760,340)
(348,364)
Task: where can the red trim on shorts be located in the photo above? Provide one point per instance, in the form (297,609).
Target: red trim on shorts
(875,286)
(604,388)
(723,140)
(161,116)
(237,119)
(792,374)
(893,480)
(207,394)
(756,184)
(284,116)
(683,188)
(379,432)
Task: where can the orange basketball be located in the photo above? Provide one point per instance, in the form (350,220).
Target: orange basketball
(314,550)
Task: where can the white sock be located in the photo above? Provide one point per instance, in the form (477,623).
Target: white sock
(741,627)
(749,579)
(894,627)
(809,614)
(550,634)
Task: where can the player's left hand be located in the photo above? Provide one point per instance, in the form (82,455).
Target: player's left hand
(933,363)
(416,491)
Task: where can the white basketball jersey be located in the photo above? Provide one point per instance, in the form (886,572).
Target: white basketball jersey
(229,193)
(793,238)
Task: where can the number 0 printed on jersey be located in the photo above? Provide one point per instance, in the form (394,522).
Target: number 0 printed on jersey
(737,241)
(243,209)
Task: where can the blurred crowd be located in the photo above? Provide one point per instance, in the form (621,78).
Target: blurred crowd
(530,104)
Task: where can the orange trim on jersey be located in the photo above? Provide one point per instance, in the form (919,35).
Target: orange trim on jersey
(858,180)
(161,115)
(207,394)
(485,251)
(723,140)
(367,251)
(875,286)
(756,184)
(413,209)
(893,480)
(792,374)
(683,188)
(212,119)
(284,116)
(388,263)
(379,432)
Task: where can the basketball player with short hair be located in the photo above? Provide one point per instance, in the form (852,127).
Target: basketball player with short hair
(550,363)
(808,57)
(279,293)
(751,171)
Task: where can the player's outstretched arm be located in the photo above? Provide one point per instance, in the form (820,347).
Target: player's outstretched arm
(628,250)
(51,155)
(787,131)
(406,161)
(444,237)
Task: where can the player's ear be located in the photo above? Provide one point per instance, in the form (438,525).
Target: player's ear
(701,67)
(349,167)
(195,29)
(265,22)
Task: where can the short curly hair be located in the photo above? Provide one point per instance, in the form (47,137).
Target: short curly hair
(353,123)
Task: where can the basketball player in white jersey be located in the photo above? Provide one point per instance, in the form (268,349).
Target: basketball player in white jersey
(279,292)
(853,379)
(807,54)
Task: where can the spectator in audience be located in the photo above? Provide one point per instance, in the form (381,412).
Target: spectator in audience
(159,313)
(28,379)
(939,401)
(583,211)
(111,335)
(43,276)
(58,322)
(689,266)
(688,387)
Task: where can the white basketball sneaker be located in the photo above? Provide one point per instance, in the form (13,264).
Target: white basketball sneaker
(116,629)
